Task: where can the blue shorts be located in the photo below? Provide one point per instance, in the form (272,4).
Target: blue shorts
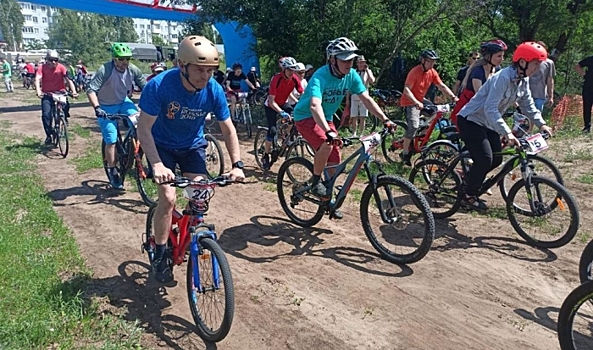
(109,127)
(539,103)
(191,160)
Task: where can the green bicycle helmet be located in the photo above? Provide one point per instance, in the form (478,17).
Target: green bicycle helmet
(119,50)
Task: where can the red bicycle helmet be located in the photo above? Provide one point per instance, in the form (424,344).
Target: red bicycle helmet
(530,51)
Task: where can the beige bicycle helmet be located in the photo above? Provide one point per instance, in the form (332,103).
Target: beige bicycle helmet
(196,49)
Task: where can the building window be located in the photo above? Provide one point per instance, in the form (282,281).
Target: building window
(148,26)
(43,8)
(33,8)
(28,17)
(43,19)
(174,36)
(135,26)
(157,26)
(36,30)
(27,29)
(45,30)
(35,20)
(142,26)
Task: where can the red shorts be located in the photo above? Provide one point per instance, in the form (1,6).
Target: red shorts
(315,135)
(232,93)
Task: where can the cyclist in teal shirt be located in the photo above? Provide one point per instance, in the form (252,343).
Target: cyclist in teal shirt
(314,112)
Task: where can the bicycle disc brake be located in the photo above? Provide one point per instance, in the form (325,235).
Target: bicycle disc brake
(396,218)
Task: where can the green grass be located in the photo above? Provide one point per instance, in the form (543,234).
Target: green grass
(572,155)
(79,130)
(91,159)
(40,305)
(586,179)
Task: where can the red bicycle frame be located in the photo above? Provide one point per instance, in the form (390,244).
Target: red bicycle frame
(421,139)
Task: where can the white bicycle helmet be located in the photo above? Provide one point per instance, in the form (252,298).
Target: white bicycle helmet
(300,67)
(288,63)
(52,54)
(342,48)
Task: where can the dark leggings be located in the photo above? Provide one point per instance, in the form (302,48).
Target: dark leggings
(47,105)
(272,117)
(587,104)
(481,143)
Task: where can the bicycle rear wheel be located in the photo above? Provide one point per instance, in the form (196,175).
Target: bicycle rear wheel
(144,180)
(405,226)
(214,157)
(440,191)
(63,142)
(301,148)
(148,243)
(208,269)
(393,142)
(574,319)
(295,175)
(548,198)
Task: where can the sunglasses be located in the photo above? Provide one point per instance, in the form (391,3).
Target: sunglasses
(53,60)
(123,59)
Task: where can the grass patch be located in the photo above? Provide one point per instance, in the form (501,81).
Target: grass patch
(573,155)
(91,159)
(80,131)
(40,307)
(584,237)
(586,179)
(355,195)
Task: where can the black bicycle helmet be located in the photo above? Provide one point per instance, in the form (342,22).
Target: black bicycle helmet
(430,54)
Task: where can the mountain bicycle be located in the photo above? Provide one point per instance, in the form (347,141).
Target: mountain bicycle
(287,143)
(403,216)
(209,278)
(441,183)
(243,112)
(58,123)
(575,317)
(431,119)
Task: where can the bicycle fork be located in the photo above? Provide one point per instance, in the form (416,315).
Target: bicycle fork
(393,210)
(197,253)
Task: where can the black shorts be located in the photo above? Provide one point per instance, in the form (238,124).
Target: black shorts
(272,115)
(192,160)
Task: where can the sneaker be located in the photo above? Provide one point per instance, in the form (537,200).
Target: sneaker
(406,158)
(473,202)
(265,162)
(319,190)
(115,180)
(587,129)
(48,141)
(162,271)
(337,214)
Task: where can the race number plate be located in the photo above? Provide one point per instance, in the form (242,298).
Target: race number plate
(537,143)
(198,194)
(371,141)
(443,108)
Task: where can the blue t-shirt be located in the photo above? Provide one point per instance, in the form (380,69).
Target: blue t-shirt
(330,90)
(476,73)
(181,114)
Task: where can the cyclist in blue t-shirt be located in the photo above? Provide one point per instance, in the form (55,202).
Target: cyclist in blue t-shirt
(314,112)
(173,107)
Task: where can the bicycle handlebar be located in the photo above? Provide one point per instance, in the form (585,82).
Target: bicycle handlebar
(50,94)
(183,182)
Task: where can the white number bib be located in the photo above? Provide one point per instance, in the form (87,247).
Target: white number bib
(537,143)
(371,141)
(197,194)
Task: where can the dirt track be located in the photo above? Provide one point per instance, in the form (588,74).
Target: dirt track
(480,287)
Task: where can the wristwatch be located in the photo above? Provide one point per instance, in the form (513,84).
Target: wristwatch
(238,165)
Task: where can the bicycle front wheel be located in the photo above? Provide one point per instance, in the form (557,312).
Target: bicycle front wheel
(574,319)
(397,220)
(247,120)
(586,264)
(552,219)
(294,177)
(259,146)
(542,167)
(144,180)
(62,137)
(394,142)
(214,157)
(441,189)
(210,291)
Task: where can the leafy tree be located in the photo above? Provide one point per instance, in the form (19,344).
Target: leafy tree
(35,45)
(198,27)
(157,40)
(84,35)
(122,29)
(11,23)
